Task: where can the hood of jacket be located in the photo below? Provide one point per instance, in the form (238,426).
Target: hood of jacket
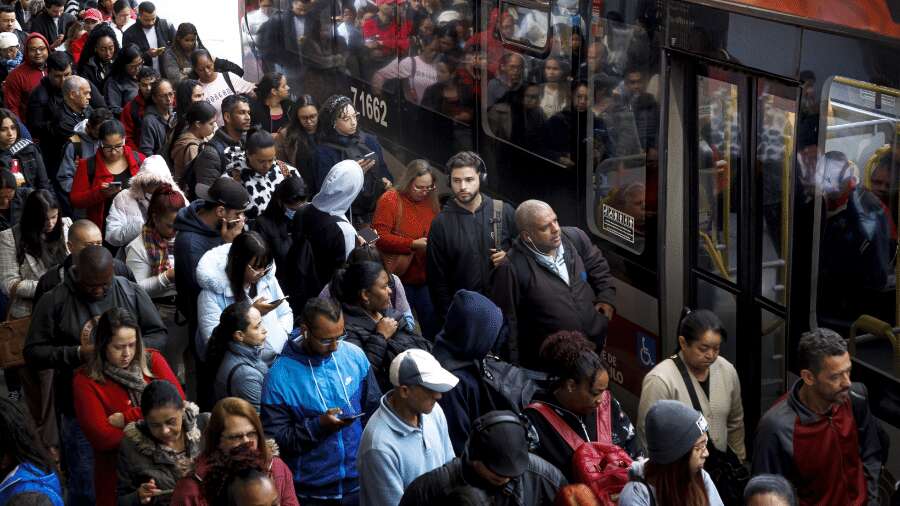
(154,172)
(34,35)
(637,469)
(29,478)
(211,272)
(188,220)
(471,329)
(340,188)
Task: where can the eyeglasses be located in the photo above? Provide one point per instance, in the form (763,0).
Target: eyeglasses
(330,341)
(114,147)
(424,189)
(233,438)
(259,272)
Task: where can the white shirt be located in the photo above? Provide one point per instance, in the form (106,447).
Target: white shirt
(216,91)
(150,33)
(120,33)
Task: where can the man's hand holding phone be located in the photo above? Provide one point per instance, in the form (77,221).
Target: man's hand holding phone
(230,229)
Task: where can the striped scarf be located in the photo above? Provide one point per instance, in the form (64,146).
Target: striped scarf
(157,249)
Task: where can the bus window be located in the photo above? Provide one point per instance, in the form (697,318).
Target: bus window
(440,72)
(856,176)
(620,146)
(718,160)
(777,108)
(532,28)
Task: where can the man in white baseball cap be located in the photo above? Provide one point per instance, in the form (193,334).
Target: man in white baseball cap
(407,436)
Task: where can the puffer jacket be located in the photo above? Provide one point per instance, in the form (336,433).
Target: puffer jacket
(538,485)
(241,373)
(361,331)
(31,163)
(29,478)
(216,295)
(188,491)
(128,211)
(192,240)
(323,462)
(142,459)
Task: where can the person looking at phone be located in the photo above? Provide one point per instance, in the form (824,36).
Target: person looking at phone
(342,139)
(462,247)
(159,450)
(235,351)
(151,33)
(392,453)
(100,178)
(310,404)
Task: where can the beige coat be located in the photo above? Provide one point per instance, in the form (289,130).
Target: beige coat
(27,274)
(723,409)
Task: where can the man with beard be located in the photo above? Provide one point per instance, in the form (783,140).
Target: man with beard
(60,338)
(225,151)
(463,244)
(821,435)
(26,77)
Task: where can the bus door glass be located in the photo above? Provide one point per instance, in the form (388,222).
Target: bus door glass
(856,187)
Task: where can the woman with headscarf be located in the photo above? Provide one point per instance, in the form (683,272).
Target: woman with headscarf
(341,139)
(325,224)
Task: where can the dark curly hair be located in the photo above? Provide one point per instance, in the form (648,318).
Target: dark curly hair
(331,110)
(568,355)
(241,463)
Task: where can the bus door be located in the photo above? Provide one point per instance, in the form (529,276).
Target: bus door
(739,135)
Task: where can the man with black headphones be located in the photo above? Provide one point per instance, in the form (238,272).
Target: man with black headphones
(496,460)
(469,237)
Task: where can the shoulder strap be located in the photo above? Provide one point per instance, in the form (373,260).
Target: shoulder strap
(399,216)
(92,170)
(136,157)
(230,376)
(641,479)
(227,76)
(687,381)
(558,424)
(497,223)
(604,418)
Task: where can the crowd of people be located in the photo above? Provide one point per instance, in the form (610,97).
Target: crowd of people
(232,300)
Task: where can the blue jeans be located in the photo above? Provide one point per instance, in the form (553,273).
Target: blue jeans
(420,301)
(77,461)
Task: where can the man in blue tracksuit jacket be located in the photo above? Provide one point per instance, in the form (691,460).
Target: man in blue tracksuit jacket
(317,396)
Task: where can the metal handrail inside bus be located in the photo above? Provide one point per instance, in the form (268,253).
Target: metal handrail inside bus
(877,328)
(714,254)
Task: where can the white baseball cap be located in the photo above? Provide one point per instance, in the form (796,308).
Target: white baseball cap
(418,367)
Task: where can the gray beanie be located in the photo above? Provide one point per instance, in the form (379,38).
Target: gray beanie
(672,430)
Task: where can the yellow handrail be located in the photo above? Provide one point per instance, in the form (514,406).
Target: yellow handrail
(879,328)
(714,254)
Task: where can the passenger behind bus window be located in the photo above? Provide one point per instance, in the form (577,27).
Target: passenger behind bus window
(384,39)
(159,450)
(175,62)
(348,29)
(714,382)
(881,183)
(298,138)
(563,132)
(555,95)
(633,97)
(327,60)
(855,259)
(509,79)
(234,432)
(596,63)
(109,390)
(415,73)
(448,96)
(280,40)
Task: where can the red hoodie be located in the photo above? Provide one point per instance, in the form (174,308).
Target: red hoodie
(22,80)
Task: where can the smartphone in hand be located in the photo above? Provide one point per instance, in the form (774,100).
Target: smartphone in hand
(369,235)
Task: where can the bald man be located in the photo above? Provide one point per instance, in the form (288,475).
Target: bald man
(82,233)
(554,279)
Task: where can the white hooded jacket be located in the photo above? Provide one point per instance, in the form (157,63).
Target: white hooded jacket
(341,186)
(129,208)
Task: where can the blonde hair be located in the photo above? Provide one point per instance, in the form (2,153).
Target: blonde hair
(415,169)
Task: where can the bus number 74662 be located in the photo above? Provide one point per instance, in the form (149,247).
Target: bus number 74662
(371,107)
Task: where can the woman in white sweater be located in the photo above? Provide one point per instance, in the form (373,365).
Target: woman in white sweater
(150,256)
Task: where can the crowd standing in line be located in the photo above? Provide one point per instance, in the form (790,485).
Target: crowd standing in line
(232,301)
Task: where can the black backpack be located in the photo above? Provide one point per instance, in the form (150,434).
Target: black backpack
(189,177)
(509,386)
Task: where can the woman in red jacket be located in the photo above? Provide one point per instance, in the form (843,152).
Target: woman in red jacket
(403,218)
(232,423)
(109,388)
(98,179)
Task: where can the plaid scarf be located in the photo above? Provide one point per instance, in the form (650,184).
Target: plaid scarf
(157,249)
(131,379)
